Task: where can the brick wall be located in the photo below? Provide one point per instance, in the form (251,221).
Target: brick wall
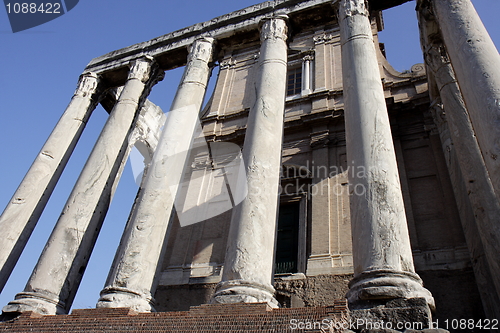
(256,317)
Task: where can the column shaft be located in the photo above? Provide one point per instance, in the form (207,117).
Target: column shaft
(306,73)
(476,63)
(131,282)
(480,191)
(383,262)
(28,202)
(248,266)
(55,279)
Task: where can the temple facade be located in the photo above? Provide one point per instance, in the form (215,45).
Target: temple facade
(313,172)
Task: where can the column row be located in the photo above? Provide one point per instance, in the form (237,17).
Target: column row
(383,263)
(57,275)
(462,62)
(27,204)
(131,282)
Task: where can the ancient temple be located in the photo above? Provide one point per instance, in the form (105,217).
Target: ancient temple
(315,173)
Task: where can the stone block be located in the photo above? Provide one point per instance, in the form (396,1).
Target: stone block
(373,316)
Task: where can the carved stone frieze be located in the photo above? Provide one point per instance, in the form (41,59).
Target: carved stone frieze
(228,63)
(324,38)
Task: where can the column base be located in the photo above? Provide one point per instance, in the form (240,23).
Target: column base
(116,297)
(39,302)
(372,287)
(397,314)
(240,291)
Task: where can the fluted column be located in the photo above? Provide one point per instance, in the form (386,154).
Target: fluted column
(382,256)
(57,275)
(28,202)
(132,279)
(248,266)
(476,63)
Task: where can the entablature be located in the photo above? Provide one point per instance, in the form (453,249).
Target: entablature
(239,27)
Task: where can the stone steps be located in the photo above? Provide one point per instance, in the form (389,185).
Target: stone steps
(254,317)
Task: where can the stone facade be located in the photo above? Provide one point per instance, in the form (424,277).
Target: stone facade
(315,171)
(315,178)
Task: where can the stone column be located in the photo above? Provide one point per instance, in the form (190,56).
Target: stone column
(306,72)
(55,279)
(27,204)
(382,256)
(132,279)
(248,266)
(476,63)
(482,230)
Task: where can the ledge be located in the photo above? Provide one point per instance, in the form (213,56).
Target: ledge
(222,27)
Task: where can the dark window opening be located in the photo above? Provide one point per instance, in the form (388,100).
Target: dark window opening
(287,244)
(294,83)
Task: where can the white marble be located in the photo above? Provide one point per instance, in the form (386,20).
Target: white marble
(132,280)
(248,266)
(55,279)
(221,27)
(28,202)
(382,256)
(476,62)
(480,192)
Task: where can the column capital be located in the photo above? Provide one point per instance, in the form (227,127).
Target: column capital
(423,6)
(308,57)
(201,49)
(87,84)
(141,69)
(147,71)
(348,8)
(275,27)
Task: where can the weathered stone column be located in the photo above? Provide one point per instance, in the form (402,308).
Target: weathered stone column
(55,279)
(382,256)
(482,230)
(28,202)
(132,279)
(476,63)
(248,266)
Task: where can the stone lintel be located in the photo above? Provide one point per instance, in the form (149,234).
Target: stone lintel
(222,27)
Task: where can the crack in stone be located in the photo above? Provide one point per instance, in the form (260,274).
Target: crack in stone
(44,153)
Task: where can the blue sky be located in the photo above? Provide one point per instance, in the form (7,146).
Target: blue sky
(39,72)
